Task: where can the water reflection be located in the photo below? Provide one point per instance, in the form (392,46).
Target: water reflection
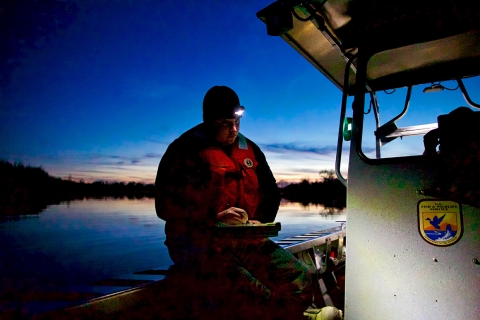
(297,218)
(288,207)
(87,240)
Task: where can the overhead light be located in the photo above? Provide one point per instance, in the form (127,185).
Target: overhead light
(434,88)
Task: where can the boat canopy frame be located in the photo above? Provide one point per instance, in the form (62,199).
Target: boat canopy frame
(393,44)
(403,40)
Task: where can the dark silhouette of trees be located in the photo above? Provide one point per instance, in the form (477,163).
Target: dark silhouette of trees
(330,192)
(28,190)
(328,175)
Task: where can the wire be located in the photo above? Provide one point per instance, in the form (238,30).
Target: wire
(390,92)
(369,106)
(451,89)
(440,84)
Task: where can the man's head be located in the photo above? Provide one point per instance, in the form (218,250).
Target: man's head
(221,113)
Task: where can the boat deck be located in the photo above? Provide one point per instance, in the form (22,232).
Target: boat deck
(314,247)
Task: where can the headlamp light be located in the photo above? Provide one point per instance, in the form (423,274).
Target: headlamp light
(239,111)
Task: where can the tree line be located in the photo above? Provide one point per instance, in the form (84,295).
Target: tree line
(27,190)
(329,192)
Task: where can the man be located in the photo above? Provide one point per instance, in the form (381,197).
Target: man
(213,175)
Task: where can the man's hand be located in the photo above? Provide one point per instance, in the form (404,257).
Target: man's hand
(233,216)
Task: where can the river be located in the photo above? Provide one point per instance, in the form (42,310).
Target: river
(89,240)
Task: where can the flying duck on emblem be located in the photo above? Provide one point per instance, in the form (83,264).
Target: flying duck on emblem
(436,221)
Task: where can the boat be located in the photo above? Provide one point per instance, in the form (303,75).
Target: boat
(147,294)
(398,266)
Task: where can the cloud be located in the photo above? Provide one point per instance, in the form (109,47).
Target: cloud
(153,155)
(89,170)
(287,174)
(306,170)
(159,141)
(285,148)
(109,160)
(368,150)
(293,147)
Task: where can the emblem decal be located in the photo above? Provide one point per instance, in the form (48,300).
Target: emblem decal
(440,222)
(248,162)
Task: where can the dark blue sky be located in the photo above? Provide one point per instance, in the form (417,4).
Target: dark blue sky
(108,94)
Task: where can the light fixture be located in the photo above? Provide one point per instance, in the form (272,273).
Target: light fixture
(347,129)
(434,88)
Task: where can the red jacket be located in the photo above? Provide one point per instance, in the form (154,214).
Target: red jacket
(196,179)
(233,178)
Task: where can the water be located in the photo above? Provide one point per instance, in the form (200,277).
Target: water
(85,241)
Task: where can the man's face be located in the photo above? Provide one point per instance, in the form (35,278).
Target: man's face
(226,130)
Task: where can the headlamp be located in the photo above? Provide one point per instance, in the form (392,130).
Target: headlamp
(239,111)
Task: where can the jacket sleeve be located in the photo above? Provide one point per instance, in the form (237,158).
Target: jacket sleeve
(181,177)
(269,193)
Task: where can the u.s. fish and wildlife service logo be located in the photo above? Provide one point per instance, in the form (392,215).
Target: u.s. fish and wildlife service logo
(248,162)
(440,222)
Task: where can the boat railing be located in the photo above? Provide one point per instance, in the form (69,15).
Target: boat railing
(323,252)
